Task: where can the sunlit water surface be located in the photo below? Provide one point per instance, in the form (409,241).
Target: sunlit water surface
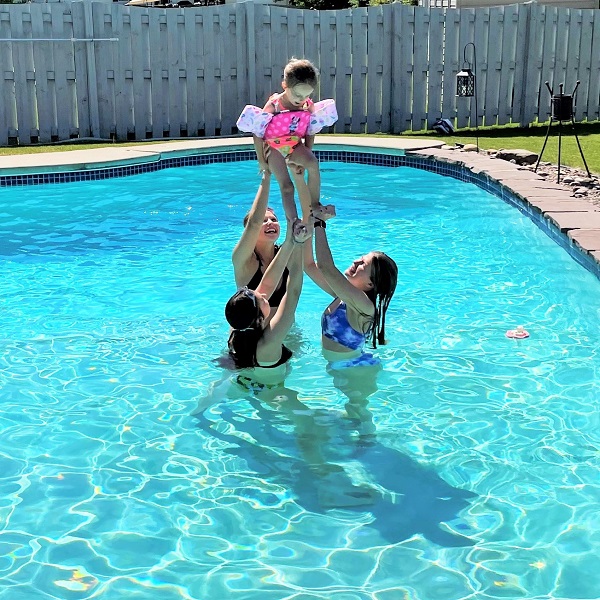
(131,467)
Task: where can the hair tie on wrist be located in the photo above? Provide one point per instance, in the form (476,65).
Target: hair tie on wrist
(320,223)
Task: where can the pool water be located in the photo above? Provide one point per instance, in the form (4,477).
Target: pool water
(132,467)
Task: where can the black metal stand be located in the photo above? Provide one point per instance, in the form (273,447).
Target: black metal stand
(562,110)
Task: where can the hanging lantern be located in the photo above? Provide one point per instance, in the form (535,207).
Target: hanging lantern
(465,83)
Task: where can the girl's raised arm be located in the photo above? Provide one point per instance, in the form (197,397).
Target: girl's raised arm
(274,271)
(269,347)
(336,280)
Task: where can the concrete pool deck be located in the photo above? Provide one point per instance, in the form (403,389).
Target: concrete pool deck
(577,218)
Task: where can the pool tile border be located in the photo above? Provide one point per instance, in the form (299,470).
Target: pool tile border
(573,223)
(521,188)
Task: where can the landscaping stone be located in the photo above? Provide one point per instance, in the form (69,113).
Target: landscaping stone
(520,157)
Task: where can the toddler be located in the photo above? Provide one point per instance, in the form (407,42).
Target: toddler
(284,132)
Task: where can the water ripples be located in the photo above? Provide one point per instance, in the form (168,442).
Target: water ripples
(131,466)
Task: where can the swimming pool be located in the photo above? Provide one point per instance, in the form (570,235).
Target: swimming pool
(130,467)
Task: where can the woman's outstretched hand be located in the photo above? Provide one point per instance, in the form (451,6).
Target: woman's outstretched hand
(300,232)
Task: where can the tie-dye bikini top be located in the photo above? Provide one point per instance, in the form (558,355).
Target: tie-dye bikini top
(336,327)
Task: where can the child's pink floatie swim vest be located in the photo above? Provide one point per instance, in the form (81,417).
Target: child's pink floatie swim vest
(298,123)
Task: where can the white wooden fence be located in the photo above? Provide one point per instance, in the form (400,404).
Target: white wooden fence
(103,70)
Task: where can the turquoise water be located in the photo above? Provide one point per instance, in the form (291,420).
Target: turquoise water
(130,466)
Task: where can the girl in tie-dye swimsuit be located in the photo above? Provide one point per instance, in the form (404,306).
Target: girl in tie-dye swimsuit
(361,295)
(284,131)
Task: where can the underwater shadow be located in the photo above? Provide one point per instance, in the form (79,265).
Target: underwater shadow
(327,463)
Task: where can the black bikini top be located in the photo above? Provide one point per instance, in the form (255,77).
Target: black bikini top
(278,294)
(286,354)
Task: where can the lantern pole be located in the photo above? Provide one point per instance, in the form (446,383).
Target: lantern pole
(474,88)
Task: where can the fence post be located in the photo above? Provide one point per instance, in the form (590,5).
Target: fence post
(251,46)
(91,70)
(523,119)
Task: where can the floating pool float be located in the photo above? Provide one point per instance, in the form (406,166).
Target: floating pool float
(519,333)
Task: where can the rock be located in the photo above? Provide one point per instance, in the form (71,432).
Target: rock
(470,148)
(567,179)
(520,157)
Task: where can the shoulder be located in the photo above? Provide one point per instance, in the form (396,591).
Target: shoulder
(274,100)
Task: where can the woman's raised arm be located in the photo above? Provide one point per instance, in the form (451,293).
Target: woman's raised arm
(244,249)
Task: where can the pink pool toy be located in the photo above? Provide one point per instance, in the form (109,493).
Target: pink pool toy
(519,333)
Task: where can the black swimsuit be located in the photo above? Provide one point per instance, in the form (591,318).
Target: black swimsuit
(278,294)
(286,354)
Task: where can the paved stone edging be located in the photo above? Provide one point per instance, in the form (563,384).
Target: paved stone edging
(577,218)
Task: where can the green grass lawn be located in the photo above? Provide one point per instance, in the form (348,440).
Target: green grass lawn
(511,138)
(496,138)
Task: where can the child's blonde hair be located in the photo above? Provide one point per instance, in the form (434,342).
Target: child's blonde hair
(300,70)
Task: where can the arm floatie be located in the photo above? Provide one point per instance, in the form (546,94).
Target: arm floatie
(324,114)
(254,120)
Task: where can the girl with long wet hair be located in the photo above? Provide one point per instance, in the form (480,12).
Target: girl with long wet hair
(362,294)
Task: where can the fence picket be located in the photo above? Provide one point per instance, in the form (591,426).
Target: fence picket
(8,106)
(572,52)
(420,68)
(141,73)
(384,71)
(481,39)
(194,88)
(309,42)
(375,49)
(23,74)
(359,71)
(327,42)
(242,85)
(104,58)
(402,77)
(41,26)
(267,81)
(230,67)
(436,67)
(495,51)
(452,63)
(123,73)
(82,125)
(465,107)
(508,63)
(295,35)
(593,108)
(530,90)
(343,68)
(561,49)
(584,58)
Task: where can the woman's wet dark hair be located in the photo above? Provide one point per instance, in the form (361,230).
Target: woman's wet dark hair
(384,277)
(243,313)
